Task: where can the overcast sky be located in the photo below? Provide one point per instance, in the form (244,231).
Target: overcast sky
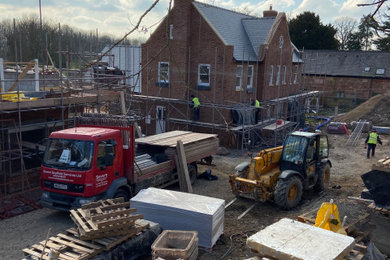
(116,17)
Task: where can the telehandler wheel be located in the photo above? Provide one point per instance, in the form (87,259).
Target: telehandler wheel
(122,194)
(288,192)
(322,183)
(193,173)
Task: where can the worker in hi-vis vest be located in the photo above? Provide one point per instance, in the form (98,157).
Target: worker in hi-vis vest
(256,104)
(195,106)
(372,139)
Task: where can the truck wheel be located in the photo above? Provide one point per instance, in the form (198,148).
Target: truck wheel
(288,192)
(193,173)
(122,194)
(322,183)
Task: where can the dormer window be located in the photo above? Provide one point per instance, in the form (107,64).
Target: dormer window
(380,72)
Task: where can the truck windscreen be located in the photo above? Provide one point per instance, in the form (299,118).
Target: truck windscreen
(69,154)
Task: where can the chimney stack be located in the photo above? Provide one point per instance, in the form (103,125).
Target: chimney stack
(270,12)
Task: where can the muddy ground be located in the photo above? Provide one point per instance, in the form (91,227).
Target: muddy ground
(349,163)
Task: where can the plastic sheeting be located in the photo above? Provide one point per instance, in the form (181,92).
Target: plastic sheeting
(136,247)
(183,211)
(378,183)
(373,253)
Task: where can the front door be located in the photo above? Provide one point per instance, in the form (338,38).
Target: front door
(160,119)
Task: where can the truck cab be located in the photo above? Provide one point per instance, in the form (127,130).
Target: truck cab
(79,166)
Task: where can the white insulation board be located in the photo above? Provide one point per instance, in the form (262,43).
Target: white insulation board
(182,211)
(290,239)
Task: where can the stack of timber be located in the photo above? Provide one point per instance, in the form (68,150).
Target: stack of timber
(100,226)
(196,145)
(382,165)
(143,163)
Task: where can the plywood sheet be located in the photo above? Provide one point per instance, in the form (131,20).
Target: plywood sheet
(170,139)
(290,239)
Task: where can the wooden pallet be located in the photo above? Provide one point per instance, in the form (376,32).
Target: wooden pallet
(100,226)
(114,203)
(71,246)
(383,211)
(111,241)
(68,246)
(104,218)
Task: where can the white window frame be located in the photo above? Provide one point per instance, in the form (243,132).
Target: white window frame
(277,83)
(284,74)
(159,72)
(271,75)
(290,77)
(171,31)
(296,74)
(239,77)
(249,78)
(200,83)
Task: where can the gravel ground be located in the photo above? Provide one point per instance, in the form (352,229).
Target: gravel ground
(349,163)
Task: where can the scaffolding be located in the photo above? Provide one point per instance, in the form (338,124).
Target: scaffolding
(269,131)
(44,98)
(64,93)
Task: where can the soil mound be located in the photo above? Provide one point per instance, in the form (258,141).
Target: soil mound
(375,110)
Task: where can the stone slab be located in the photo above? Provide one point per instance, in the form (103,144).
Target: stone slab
(290,239)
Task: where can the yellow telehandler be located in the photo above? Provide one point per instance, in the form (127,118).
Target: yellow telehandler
(280,174)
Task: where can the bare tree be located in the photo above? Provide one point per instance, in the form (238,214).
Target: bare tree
(244,10)
(345,27)
(379,18)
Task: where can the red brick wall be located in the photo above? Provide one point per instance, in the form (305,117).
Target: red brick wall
(194,42)
(361,88)
(160,48)
(275,56)
(203,46)
(208,48)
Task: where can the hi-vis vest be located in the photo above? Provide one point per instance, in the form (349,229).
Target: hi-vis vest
(196,102)
(257,104)
(373,138)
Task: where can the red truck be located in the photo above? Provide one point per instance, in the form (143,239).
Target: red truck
(89,163)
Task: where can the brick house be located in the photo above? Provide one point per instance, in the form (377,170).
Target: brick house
(223,57)
(346,76)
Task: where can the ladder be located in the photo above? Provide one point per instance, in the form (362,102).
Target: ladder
(246,138)
(357,132)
